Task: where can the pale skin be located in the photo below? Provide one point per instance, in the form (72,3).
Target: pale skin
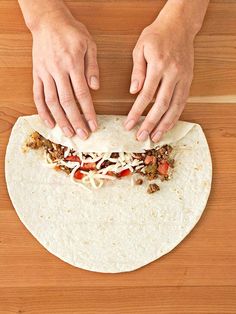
(65,67)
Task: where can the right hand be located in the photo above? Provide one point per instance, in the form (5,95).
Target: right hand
(64,67)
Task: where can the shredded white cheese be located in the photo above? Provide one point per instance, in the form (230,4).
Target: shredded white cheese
(66,153)
(139,167)
(95,178)
(105,156)
(69,164)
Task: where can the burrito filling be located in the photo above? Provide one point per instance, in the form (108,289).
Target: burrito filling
(92,169)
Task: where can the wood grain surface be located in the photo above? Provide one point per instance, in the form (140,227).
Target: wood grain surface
(199,276)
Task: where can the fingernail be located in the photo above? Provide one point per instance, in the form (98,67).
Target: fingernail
(129,124)
(49,123)
(82,134)
(94,82)
(67,131)
(134,86)
(143,136)
(93,125)
(157,136)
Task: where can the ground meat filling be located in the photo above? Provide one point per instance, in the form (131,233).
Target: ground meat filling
(35,141)
(152,188)
(139,182)
(55,151)
(151,164)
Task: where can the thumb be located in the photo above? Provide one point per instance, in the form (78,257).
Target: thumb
(91,68)
(139,71)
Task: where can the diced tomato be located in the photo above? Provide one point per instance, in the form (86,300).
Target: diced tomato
(78,175)
(88,166)
(72,158)
(150,160)
(124,173)
(163,168)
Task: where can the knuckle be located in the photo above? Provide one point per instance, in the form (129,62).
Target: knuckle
(138,71)
(89,112)
(156,76)
(146,96)
(53,107)
(66,100)
(151,122)
(146,32)
(161,57)
(88,116)
(61,119)
(157,66)
(66,104)
(81,46)
(42,112)
(181,107)
(56,61)
(93,47)
(38,98)
(138,67)
(51,100)
(178,105)
(39,67)
(69,60)
(150,46)
(176,67)
(36,69)
(62,122)
(92,67)
(135,113)
(164,104)
(164,125)
(81,93)
(176,118)
(76,122)
(161,67)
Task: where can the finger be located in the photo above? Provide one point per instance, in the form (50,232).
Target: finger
(68,103)
(139,71)
(83,96)
(172,115)
(54,106)
(160,106)
(145,96)
(40,102)
(91,67)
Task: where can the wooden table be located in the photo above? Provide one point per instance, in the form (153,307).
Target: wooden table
(199,276)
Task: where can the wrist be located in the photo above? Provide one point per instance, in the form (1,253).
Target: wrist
(55,18)
(185,15)
(37,13)
(167,24)
(189,16)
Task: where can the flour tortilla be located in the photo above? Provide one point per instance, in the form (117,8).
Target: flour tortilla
(117,228)
(110,137)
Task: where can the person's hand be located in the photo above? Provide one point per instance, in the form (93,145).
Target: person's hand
(163,65)
(64,67)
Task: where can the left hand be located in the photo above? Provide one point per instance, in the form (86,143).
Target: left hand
(163,62)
